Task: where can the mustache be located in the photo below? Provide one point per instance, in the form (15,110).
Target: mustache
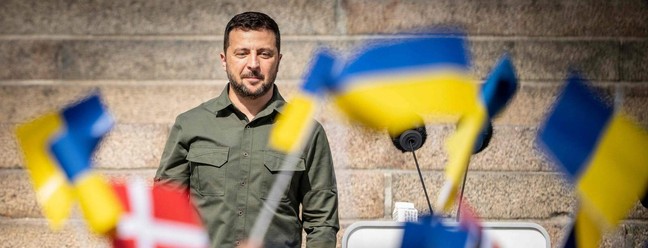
(253,74)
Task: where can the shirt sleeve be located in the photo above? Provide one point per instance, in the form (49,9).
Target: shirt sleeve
(319,192)
(174,168)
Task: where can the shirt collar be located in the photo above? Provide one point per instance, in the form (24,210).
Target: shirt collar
(222,102)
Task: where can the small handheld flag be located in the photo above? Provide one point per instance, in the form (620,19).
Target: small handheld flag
(157,217)
(601,150)
(58,149)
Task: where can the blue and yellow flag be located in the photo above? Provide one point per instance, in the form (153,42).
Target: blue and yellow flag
(296,119)
(601,150)
(58,149)
(393,85)
(499,88)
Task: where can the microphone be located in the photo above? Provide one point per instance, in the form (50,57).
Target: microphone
(410,140)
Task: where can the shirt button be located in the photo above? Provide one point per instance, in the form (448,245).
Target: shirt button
(242,183)
(240,212)
(237,243)
(245,154)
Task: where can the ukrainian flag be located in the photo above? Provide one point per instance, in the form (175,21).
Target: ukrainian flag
(498,89)
(58,149)
(393,84)
(295,120)
(601,150)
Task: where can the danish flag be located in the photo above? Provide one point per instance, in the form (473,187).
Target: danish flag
(157,217)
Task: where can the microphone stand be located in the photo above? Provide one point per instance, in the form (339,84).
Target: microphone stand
(418,168)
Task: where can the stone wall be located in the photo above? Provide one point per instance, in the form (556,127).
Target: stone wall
(152,60)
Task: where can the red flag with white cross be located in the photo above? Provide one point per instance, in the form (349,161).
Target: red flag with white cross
(157,217)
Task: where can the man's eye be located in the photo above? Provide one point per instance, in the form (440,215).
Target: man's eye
(266,55)
(240,55)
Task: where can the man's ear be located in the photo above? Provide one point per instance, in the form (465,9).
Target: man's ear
(223,59)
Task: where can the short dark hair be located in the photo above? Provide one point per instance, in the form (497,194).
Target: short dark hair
(252,21)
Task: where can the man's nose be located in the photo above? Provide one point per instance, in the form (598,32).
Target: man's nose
(253,62)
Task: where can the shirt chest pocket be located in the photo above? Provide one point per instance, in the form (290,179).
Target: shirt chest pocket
(209,169)
(274,163)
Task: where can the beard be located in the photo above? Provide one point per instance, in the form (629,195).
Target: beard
(241,90)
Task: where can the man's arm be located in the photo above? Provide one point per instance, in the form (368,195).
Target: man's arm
(174,168)
(319,192)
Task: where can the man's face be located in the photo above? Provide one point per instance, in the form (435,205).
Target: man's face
(251,62)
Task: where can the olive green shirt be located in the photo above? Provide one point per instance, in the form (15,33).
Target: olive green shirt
(229,168)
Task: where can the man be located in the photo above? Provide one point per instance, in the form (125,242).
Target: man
(218,151)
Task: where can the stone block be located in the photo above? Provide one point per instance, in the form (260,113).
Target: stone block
(140,17)
(22,103)
(530,105)
(17,197)
(361,194)
(141,59)
(132,146)
(36,233)
(512,148)
(29,59)
(636,234)
(634,58)
(553,59)
(158,103)
(11,155)
(634,102)
(524,18)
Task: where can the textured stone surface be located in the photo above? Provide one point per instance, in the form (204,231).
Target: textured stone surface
(142,59)
(23,103)
(634,58)
(151,17)
(178,59)
(29,59)
(530,105)
(534,101)
(635,102)
(11,157)
(361,194)
(495,195)
(636,234)
(552,59)
(485,52)
(36,233)
(17,198)
(156,103)
(512,149)
(132,147)
(527,18)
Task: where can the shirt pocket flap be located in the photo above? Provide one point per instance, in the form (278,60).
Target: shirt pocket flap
(274,161)
(214,156)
